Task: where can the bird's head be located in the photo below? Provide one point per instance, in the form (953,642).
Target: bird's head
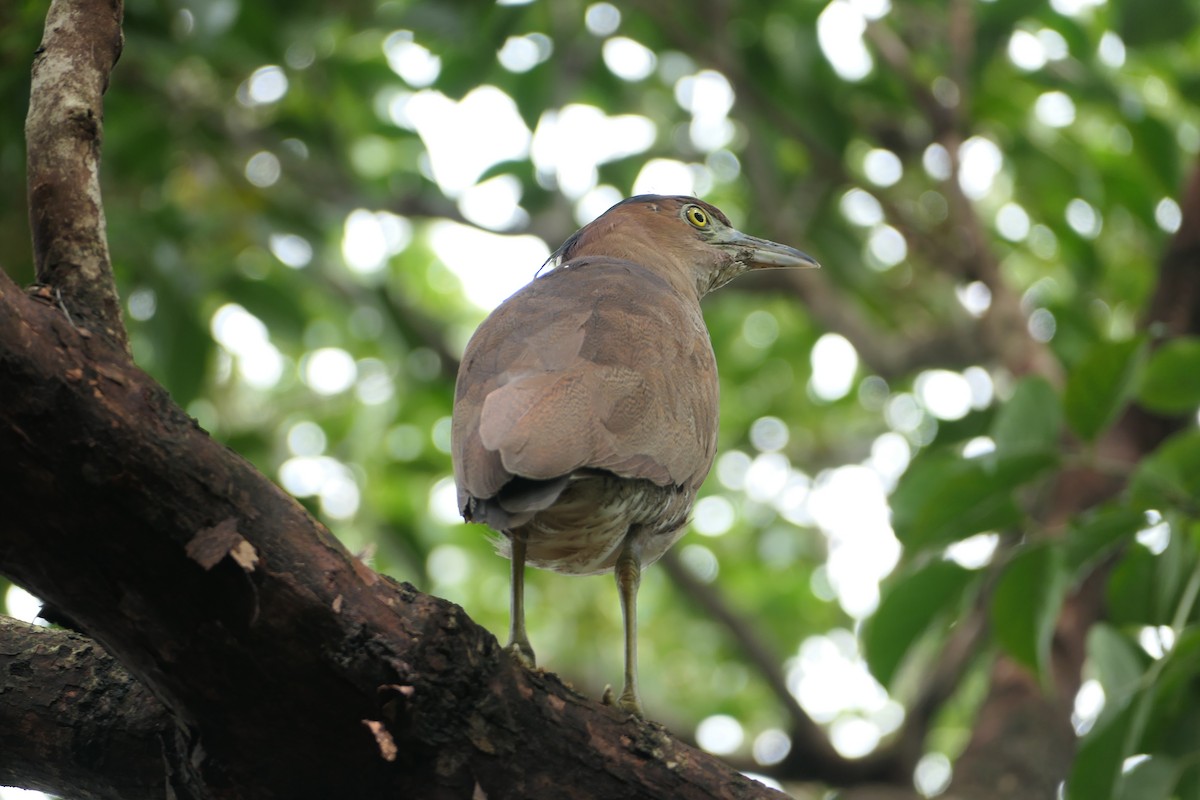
(686,240)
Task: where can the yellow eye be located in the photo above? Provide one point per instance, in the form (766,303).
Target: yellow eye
(697,216)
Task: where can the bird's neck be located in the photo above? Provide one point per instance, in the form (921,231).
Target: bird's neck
(683,277)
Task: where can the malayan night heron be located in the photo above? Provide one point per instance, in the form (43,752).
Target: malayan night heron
(585,414)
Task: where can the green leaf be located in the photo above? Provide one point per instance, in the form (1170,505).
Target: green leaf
(1182,664)
(1188,785)
(1152,779)
(1153,21)
(957,431)
(1171,383)
(943,497)
(1026,603)
(1093,537)
(908,607)
(1170,476)
(1171,726)
(1100,384)
(1030,422)
(1146,588)
(1154,139)
(1118,663)
(1174,564)
(1097,767)
(953,499)
(1142,717)
(1129,591)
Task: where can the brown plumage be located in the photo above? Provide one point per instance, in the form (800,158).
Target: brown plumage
(585,414)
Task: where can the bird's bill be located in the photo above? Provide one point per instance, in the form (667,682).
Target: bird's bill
(762,253)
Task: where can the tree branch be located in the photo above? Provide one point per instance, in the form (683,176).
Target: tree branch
(1004,325)
(895,54)
(1175,307)
(808,740)
(72,718)
(891,357)
(812,757)
(63,132)
(289,668)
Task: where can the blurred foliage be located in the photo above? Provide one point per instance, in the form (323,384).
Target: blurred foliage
(1089,109)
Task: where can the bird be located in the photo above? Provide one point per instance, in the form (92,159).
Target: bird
(586,405)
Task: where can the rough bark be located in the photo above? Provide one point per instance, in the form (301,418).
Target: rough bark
(71,716)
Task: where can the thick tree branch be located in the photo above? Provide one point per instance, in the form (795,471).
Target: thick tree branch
(63,132)
(289,668)
(72,717)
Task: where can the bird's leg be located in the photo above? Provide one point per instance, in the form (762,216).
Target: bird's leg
(518,641)
(628,571)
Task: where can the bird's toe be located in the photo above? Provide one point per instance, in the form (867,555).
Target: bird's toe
(522,653)
(629,702)
(631,705)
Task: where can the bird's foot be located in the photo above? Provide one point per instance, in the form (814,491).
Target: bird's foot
(628,702)
(521,653)
(631,704)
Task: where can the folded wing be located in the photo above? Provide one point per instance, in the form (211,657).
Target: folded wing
(600,366)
